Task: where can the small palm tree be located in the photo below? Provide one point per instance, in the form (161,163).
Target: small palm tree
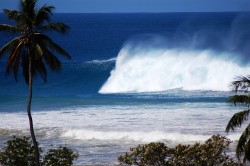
(31,49)
(243,147)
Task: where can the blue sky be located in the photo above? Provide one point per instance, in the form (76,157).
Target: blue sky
(103,6)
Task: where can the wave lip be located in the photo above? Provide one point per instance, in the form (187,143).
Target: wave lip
(102,61)
(155,70)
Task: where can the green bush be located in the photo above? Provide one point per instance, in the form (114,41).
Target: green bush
(150,154)
(211,153)
(20,152)
(59,157)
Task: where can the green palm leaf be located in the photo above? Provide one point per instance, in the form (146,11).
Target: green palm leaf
(14,59)
(55,26)
(12,14)
(242,83)
(44,40)
(237,120)
(39,68)
(43,14)
(10,46)
(243,147)
(28,7)
(247,150)
(240,99)
(243,142)
(51,60)
(9,29)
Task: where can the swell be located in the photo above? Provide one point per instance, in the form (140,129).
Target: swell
(75,79)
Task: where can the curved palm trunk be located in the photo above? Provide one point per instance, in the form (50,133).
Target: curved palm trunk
(29,115)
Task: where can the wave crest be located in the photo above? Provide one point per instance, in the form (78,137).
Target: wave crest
(152,70)
(139,136)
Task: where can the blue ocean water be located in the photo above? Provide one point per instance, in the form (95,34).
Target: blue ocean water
(133,78)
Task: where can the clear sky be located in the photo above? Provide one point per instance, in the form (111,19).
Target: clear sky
(103,6)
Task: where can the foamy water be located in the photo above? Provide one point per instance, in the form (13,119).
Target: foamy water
(143,69)
(115,129)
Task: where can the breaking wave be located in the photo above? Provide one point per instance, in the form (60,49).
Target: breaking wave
(140,136)
(160,69)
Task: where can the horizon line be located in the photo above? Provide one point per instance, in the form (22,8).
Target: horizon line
(142,12)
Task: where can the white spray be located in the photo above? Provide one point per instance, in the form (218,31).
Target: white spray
(150,70)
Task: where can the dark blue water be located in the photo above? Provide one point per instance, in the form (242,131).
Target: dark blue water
(101,37)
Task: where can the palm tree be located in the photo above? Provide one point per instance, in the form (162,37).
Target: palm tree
(31,48)
(242,84)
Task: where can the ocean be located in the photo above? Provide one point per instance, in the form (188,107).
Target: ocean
(134,78)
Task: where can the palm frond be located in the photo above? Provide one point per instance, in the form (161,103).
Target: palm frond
(56,26)
(39,68)
(36,65)
(26,19)
(10,46)
(52,61)
(12,14)
(237,120)
(9,29)
(44,40)
(38,50)
(242,83)
(244,139)
(239,99)
(39,47)
(247,150)
(27,7)
(43,14)
(14,66)
(14,60)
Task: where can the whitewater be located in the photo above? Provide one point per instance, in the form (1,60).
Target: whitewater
(153,70)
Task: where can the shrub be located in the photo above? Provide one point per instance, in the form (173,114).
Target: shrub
(59,157)
(150,154)
(20,152)
(211,153)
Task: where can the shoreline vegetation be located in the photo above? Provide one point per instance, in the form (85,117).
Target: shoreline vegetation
(213,151)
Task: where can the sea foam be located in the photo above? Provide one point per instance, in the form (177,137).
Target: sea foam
(139,136)
(151,70)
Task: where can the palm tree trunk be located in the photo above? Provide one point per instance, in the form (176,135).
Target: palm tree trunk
(29,115)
